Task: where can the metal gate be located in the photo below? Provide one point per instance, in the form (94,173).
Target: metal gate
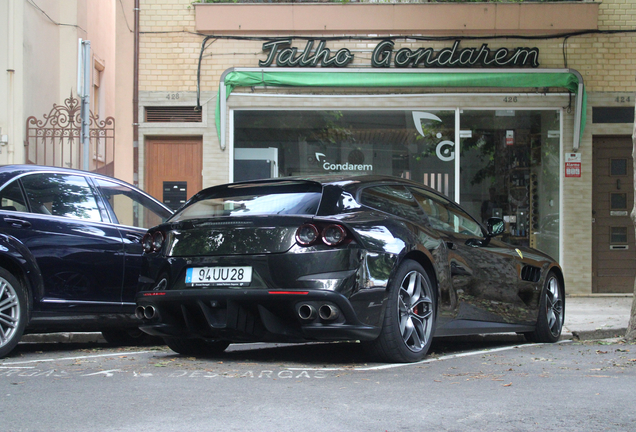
(55,140)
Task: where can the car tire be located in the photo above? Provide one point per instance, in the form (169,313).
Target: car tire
(195,347)
(409,319)
(130,337)
(551,312)
(13,312)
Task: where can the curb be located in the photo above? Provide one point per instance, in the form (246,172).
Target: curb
(63,338)
(599,334)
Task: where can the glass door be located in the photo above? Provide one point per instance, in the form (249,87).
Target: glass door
(509,165)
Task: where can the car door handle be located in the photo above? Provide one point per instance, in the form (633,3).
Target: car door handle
(17,223)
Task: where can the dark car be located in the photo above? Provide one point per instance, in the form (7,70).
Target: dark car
(380,260)
(70,252)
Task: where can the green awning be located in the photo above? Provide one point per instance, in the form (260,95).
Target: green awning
(508,78)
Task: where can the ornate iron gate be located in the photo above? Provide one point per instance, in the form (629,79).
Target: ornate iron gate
(55,139)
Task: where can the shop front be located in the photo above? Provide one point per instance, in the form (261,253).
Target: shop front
(480,101)
(498,153)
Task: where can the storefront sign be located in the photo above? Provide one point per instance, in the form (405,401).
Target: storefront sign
(328,166)
(289,57)
(573,165)
(283,54)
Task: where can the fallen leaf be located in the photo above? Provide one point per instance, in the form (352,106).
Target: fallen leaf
(507,385)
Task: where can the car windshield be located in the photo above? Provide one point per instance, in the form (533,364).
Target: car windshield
(293,203)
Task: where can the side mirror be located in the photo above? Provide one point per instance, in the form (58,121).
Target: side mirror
(495,226)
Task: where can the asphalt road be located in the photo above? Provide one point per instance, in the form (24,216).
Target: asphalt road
(489,384)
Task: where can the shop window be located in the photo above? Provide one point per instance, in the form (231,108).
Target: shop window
(417,145)
(510,169)
(508,159)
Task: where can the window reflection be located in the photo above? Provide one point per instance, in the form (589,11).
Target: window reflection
(509,159)
(416,145)
(510,169)
(61,195)
(396,200)
(132,208)
(445,216)
(11,198)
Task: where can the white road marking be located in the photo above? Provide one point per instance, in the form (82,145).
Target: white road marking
(108,373)
(76,358)
(17,367)
(435,359)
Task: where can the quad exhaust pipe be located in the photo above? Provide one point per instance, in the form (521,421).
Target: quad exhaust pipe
(326,312)
(307,312)
(147,312)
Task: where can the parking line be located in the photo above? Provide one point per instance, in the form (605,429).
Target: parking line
(76,358)
(17,367)
(447,357)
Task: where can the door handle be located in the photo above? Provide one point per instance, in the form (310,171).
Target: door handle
(17,223)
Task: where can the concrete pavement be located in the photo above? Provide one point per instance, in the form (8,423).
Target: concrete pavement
(586,318)
(596,316)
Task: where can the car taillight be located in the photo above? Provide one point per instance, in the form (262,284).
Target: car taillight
(152,242)
(307,234)
(157,240)
(331,235)
(146,242)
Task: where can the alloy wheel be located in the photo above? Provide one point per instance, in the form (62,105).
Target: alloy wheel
(554,306)
(9,311)
(415,311)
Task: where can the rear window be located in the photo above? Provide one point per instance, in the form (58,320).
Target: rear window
(288,203)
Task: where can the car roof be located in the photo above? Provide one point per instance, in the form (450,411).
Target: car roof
(8,172)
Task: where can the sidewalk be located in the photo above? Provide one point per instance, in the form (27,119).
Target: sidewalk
(586,318)
(596,316)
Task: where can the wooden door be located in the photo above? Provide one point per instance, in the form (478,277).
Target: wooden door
(172,164)
(614,252)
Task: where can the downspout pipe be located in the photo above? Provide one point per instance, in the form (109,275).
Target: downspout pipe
(136,98)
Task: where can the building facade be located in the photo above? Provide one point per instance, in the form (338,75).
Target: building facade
(39,59)
(519,110)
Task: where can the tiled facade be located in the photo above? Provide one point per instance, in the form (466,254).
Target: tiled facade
(169,54)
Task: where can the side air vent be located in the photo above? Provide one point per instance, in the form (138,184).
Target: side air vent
(173,114)
(531,273)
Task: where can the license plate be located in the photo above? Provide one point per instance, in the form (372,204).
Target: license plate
(218,276)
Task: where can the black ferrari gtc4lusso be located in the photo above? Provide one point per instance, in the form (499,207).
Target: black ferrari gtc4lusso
(384,261)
